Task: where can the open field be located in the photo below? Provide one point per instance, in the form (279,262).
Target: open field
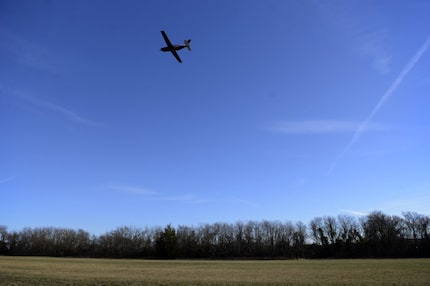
(73,271)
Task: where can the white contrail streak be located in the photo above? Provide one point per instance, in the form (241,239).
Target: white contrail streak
(47,105)
(405,71)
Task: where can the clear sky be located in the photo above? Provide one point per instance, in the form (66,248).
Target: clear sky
(283,110)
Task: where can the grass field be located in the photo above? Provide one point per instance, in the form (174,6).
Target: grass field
(73,271)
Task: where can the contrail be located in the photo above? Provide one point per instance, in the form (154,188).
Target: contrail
(405,71)
(71,115)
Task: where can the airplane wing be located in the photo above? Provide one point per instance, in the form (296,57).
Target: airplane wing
(176,55)
(166,39)
(171,47)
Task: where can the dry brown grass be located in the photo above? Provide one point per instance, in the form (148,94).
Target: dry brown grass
(70,271)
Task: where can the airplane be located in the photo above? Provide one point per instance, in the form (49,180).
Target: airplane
(173,48)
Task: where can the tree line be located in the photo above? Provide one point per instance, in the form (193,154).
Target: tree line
(344,236)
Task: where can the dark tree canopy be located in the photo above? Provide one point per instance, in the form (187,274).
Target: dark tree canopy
(375,235)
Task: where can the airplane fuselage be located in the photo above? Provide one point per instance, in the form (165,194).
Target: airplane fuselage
(175,47)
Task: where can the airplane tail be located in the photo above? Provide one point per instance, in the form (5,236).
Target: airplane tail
(187,44)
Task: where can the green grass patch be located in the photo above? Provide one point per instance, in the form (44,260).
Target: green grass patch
(74,271)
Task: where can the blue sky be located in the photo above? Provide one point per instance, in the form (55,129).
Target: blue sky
(283,110)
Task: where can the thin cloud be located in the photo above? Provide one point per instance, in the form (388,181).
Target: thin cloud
(243,202)
(372,45)
(321,127)
(191,199)
(154,195)
(132,190)
(417,198)
(179,198)
(393,87)
(6,180)
(187,198)
(418,203)
(47,105)
(354,213)
(26,52)
(382,64)
(363,40)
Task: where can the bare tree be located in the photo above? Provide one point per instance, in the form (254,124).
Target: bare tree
(331,229)
(317,234)
(3,240)
(349,229)
(299,237)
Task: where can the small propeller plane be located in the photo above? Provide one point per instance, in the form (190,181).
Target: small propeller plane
(173,48)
